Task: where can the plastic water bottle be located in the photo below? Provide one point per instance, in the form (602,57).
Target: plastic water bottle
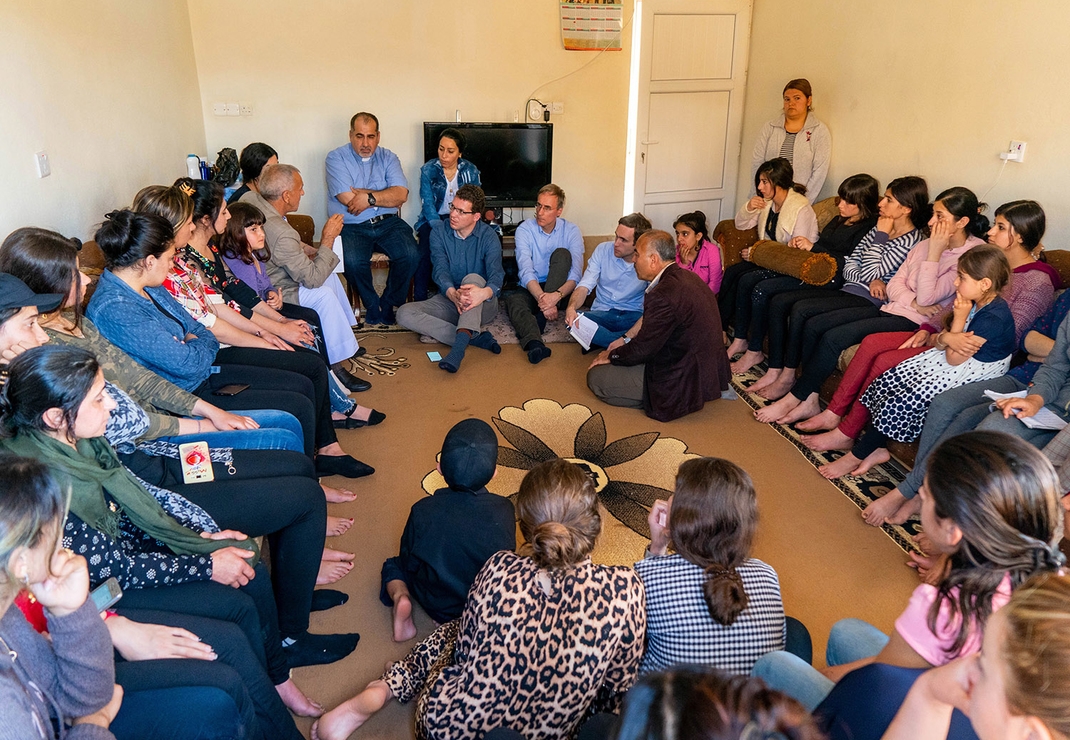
(193,166)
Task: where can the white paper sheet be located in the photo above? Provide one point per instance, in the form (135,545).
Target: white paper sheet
(584,331)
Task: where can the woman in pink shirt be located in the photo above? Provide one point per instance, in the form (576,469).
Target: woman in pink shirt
(694,250)
(991,506)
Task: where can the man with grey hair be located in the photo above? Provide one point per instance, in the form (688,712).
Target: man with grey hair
(304,273)
(672,361)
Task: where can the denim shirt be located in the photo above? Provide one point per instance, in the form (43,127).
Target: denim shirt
(433,186)
(157,341)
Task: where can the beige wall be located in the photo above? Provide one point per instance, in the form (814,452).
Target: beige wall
(109,89)
(307,67)
(935,88)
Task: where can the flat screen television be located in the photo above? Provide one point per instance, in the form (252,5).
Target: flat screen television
(514,159)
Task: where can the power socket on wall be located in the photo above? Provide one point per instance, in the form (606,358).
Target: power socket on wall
(1015,152)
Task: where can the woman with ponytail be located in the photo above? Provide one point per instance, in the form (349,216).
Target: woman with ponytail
(547,637)
(709,603)
(991,507)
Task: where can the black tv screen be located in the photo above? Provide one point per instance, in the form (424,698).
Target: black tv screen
(514,159)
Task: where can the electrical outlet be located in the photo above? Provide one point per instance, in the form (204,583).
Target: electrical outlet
(535,110)
(1015,152)
(44,167)
(557,107)
(246,109)
(219,109)
(233,109)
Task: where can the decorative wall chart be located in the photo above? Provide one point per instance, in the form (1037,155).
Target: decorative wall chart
(594,25)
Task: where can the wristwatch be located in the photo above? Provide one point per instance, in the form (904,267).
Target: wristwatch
(371,199)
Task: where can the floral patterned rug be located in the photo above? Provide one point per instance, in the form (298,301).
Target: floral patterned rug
(629,473)
(860,489)
(377,360)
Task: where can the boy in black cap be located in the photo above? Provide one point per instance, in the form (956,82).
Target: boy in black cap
(450,536)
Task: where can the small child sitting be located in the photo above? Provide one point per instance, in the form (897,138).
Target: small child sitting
(450,535)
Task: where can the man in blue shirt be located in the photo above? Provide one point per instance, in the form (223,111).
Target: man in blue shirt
(467,260)
(549,255)
(618,300)
(366,185)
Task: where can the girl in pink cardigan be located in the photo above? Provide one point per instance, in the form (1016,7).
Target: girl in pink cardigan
(694,250)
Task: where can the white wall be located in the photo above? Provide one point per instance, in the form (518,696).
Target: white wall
(109,89)
(308,67)
(930,87)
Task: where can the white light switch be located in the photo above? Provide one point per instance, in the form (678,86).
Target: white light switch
(233,109)
(219,109)
(44,167)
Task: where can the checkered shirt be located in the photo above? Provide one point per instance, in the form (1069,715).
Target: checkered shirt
(680,629)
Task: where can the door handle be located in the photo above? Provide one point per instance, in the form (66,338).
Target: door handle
(646,143)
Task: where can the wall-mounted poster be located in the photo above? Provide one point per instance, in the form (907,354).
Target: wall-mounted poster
(591,25)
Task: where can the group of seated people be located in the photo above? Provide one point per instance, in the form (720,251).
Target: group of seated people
(156,437)
(534,641)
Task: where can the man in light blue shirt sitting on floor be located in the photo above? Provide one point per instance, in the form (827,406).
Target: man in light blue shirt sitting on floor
(549,256)
(618,299)
(366,185)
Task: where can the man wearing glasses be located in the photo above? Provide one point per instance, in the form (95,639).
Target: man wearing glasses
(549,255)
(466,262)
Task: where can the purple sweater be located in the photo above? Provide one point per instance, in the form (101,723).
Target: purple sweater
(258,280)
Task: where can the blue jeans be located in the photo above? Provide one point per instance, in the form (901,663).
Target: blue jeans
(849,640)
(393,237)
(340,400)
(612,324)
(278,431)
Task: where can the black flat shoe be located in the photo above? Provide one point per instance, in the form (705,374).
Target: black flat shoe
(351,381)
(309,649)
(327,598)
(349,422)
(361,351)
(343,465)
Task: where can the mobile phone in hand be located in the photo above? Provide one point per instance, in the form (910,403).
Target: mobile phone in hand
(106,594)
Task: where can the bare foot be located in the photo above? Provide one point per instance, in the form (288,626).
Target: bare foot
(774,411)
(839,467)
(749,359)
(337,495)
(810,407)
(404,627)
(878,456)
(878,512)
(766,380)
(779,387)
(832,440)
(337,525)
(738,345)
(296,701)
(909,508)
(332,571)
(823,421)
(337,556)
(340,722)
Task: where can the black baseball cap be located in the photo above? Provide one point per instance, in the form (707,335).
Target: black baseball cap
(16,294)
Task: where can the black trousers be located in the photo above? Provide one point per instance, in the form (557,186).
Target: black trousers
(308,315)
(727,297)
(272,493)
(778,315)
(238,671)
(832,332)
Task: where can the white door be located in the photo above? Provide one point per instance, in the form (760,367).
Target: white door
(692,73)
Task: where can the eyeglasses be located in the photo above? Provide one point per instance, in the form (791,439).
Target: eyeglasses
(540,207)
(455,209)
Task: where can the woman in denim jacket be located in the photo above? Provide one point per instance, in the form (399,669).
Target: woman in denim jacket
(439,180)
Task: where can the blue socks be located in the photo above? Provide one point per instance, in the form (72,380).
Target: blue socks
(452,362)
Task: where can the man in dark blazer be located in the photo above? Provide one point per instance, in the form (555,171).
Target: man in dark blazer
(672,361)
